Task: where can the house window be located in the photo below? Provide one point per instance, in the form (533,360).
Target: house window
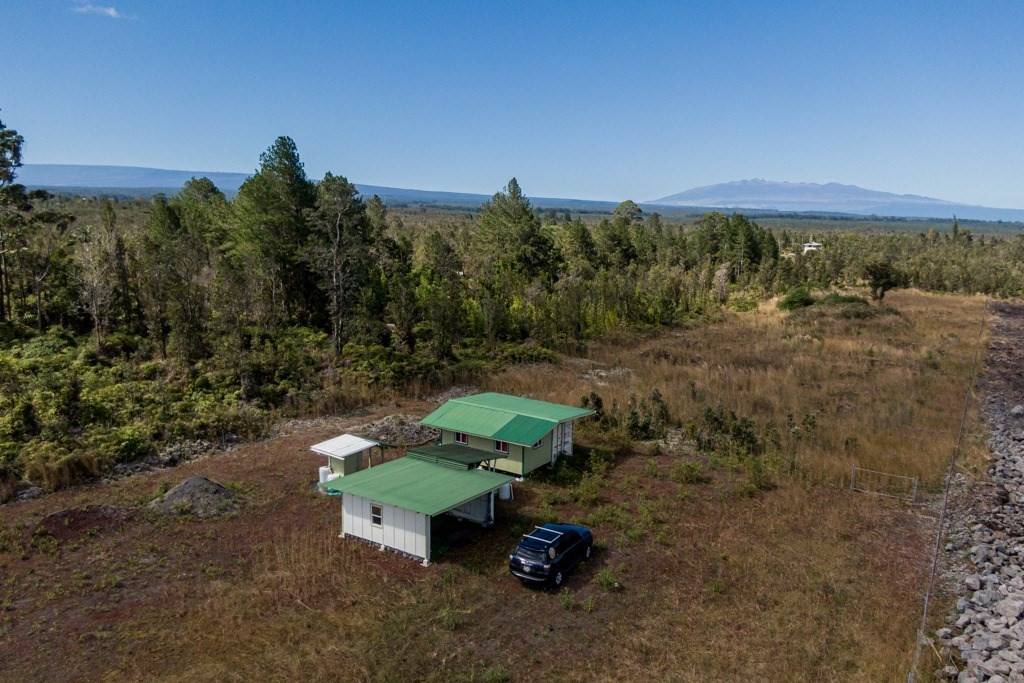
(501,446)
(537,444)
(376,514)
(462,438)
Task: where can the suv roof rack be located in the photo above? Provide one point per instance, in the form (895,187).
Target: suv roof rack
(545,540)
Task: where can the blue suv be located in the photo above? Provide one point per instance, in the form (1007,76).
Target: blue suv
(549,552)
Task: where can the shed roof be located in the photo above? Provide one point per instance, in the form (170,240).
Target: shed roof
(425,487)
(343,445)
(515,419)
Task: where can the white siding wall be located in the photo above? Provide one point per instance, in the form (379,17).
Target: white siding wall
(477,510)
(401,529)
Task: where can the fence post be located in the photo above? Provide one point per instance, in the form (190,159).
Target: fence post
(913,494)
(853,474)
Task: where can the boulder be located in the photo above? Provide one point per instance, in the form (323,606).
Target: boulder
(29,493)
(1010,608)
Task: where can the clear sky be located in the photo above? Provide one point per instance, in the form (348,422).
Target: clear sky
(591,99)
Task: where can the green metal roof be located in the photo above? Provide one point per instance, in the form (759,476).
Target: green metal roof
(544,410)
(454,455)
(414,484)
(515,419)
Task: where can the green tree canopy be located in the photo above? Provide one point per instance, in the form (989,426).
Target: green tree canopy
(511,235)
(271,234)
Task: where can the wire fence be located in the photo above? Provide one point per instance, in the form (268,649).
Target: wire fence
(879,483)
(941,526)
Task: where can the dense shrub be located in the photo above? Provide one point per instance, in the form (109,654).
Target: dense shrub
(528,353)
(648,419)
(689,472)
(836,299)
(798,297)
(721,430)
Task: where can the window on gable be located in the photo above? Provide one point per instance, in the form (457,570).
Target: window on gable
(376,514)
(501,446)
(462,438)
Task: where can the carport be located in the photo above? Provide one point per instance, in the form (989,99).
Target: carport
(391,505)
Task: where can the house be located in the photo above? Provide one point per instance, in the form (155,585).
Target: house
(516,435)
(394,504)
(486,440)
(811,246)
(346,454)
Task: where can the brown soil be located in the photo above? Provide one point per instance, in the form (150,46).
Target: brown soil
(78,594)
(65,525)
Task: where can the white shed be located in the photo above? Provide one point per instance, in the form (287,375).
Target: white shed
(346,454)
(392,505)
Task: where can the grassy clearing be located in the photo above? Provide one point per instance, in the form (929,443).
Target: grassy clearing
(699,573)
(883,391)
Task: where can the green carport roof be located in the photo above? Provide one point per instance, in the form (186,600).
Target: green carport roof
(425,487)
(515,419)
(450,454)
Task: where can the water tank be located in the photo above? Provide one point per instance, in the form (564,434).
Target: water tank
(325,474)
(505,492)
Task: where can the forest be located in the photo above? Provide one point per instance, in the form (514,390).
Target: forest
(128,326)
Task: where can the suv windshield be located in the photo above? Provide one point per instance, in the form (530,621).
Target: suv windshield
(532,554)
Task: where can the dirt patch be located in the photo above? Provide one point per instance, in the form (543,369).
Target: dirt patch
(70,523)
(196,496)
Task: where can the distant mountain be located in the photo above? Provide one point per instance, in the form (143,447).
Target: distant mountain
(123,177)
(137,181)
(755,197)
(769,195)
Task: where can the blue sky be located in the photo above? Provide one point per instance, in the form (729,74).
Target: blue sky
(592,99)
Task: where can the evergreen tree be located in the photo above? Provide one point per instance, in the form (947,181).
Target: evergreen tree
(510,235)
(441,293)
(271,234)
(340,252)
(174,267)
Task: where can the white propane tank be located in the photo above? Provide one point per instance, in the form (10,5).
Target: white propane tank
(505,492)
(325,474)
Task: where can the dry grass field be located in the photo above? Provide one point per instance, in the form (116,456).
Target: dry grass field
(882,392)
(697,576)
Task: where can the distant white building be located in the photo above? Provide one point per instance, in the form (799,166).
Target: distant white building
(812,246)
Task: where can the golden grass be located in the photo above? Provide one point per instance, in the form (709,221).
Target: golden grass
(885,393)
